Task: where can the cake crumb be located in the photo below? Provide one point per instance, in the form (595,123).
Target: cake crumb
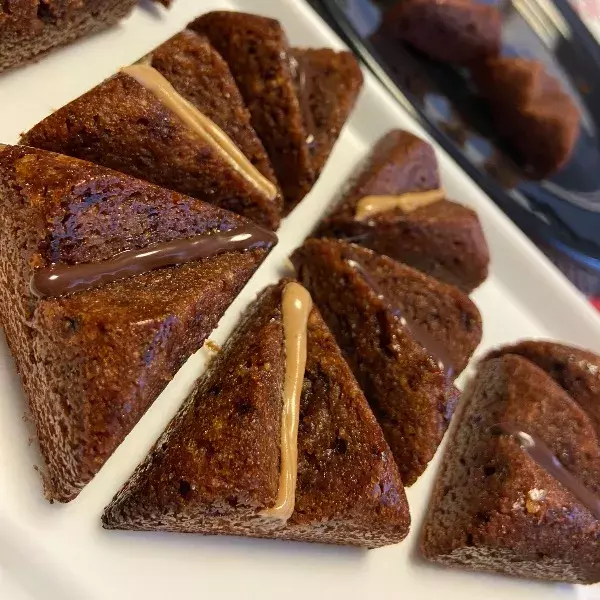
(534,497)
(212,346)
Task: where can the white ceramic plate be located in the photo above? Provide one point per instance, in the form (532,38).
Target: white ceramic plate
(60,552)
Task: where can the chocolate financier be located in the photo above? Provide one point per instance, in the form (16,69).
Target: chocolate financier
(328,84)
(32,28)
(519,488)
(454,31)
(434,235)
(531,111)
(197,71)
(136,123)
(225,464)
(405,336)
(108,285)
(257,52)
(577,371)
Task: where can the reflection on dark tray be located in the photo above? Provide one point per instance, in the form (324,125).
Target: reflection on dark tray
(562,211)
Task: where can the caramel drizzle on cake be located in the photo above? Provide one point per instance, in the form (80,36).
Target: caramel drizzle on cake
(373,205)
(201,125)
(296,304)
(60,279)
(537,450)
(418,333)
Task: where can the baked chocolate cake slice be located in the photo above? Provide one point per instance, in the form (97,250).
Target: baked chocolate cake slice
(257,52)
(197,71)
(328,84)
(227,463)
(519,489)
(455,31)
(577,371)
(107,285)
(531,111)
(137,123)
(29,28)
(395,206)
(405,335)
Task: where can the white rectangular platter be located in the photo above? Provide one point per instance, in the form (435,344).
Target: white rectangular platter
(60,552)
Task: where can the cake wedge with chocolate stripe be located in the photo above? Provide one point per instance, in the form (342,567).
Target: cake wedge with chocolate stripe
(277,441)
(137,123)
(328,85)
(519,488)
(107,285)
(405,335)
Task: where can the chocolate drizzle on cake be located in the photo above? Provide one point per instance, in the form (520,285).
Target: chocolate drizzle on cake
(62,279)
(303,78)
(545,458)
(418,333)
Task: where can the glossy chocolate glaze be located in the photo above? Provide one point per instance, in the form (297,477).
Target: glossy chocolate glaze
(418,333)
(545,458)
(302,74)
(62,279)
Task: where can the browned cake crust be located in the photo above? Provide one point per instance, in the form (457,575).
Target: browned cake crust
(257,51)
(29,28)
(217,465)
(121,125)
(531,111)
(197,71)
(457,31)
(411,397)
(577,371)
(444,239)
(493,507)
(332,82)
(92,362)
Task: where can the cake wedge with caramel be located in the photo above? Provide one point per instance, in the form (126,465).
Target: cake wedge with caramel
(138,123)
(395,205)
(299,98)
(276,441)
(107,285)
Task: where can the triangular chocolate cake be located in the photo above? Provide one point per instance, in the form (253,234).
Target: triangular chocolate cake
(455,31)
(404,334)
(257,52)
(197,71)
(227,463)
(519,489)
(328,84)
(531,111)
(109,284)
(137,123)
(395,207)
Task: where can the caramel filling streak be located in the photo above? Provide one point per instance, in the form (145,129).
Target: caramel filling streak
(296,306)
(61,279)
(407,203)
(208,131)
